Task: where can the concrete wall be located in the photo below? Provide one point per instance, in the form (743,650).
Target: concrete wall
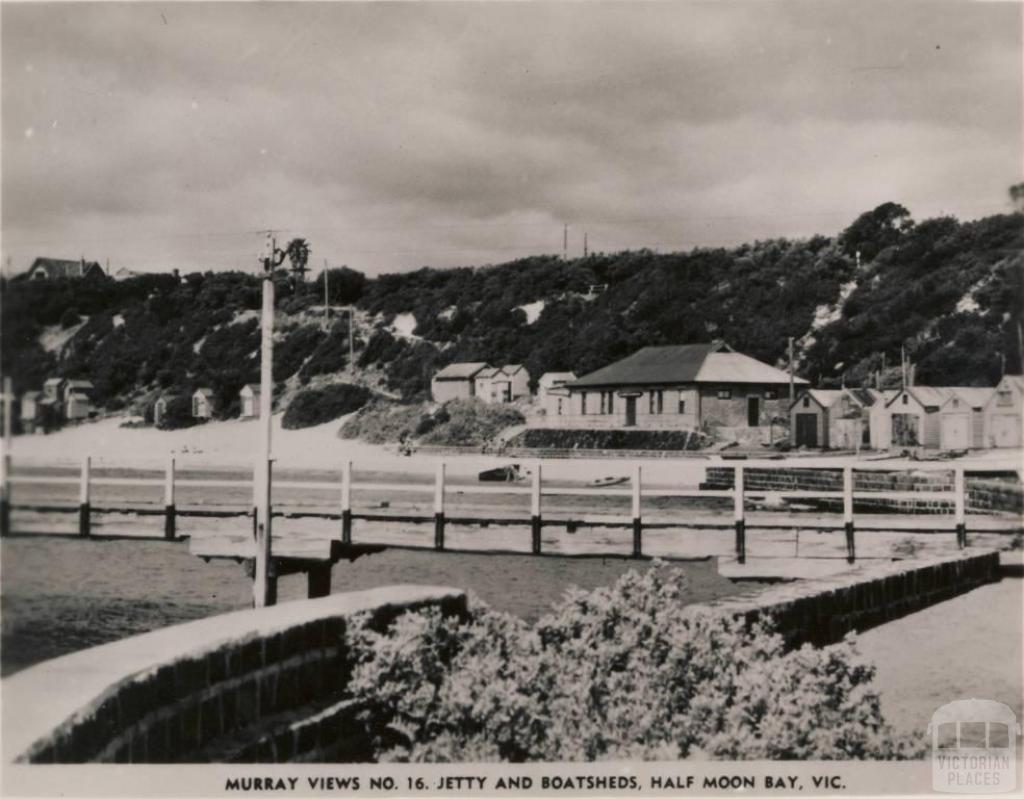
(821,611)
(256,685)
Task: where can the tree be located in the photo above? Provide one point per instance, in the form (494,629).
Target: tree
(1017,196)
(298,254)
(875,230)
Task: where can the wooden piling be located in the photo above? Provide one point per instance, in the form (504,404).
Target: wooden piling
(741,523)
(318,580)
(346,503)
(535,519)
(637,519)
(83,498)
(960,506)
(170,533)
(851,551)
(439,507)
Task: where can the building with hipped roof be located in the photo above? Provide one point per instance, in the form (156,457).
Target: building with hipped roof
(680,387)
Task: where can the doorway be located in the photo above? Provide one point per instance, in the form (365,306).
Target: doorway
(753,411)
(630,411)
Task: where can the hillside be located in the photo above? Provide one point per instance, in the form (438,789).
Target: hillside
(950,291)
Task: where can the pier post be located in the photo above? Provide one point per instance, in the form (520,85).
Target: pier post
(5,459)
(169,521)
(318,580)
(851,551)
(83,498)
(637,521)
(741,522)
(5,493)
(346,503)
(439,507)
(960,506)
(535,522)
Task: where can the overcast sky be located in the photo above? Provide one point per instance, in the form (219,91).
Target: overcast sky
(393,136)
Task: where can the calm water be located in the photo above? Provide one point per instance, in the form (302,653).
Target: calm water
(60,595)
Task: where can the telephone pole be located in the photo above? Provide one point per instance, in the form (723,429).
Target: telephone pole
(792,383)
(264,586)
(327,298)
(584,244)
(565,242)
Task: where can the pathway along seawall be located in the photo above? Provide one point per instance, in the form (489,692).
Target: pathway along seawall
(270,685)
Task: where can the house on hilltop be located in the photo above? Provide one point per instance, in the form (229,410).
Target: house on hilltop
(57,268)
(680,387)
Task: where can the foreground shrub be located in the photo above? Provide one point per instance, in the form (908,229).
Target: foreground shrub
(318,405)
(623,672)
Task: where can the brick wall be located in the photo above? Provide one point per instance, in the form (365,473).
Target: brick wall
(821,611)
(983,495)
(249,686)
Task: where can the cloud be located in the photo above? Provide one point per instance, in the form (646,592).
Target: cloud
(393,135)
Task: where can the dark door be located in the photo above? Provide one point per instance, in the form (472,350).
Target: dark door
(630,411)
(806,430)
(753,411)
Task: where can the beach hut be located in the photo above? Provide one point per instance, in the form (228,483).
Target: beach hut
(30,410)
(811,417)
(202,403)
(962,419)
(518,380)
(160,410)
(552,395)
(78,405)
(250,397)
(456,381)
(1004,412)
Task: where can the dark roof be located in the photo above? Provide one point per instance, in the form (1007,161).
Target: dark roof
(678,364)
(714,363)
(460,371)
(58,268)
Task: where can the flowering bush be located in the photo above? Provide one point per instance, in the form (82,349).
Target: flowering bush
(623,672)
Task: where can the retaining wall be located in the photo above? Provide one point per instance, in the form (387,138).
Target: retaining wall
(983,495)
(251,686)
(821,611)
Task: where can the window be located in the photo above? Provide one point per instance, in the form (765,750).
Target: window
(724,393)
(1004,398)
(807,402)
(607,402)
(771,393)
(657,402)
(906,399)
(559,407)
(682,405)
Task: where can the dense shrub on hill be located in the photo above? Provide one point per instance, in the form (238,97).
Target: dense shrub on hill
(619,673)
(318,405)
(384,422)
(291,353)
(470,423)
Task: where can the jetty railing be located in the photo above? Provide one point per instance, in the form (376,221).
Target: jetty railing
(536,489)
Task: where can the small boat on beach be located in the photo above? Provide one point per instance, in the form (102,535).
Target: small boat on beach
(604,482)
(502,474)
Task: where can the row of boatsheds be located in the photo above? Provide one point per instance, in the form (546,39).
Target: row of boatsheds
(947,417)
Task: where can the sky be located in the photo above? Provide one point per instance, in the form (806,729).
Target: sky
(151,136)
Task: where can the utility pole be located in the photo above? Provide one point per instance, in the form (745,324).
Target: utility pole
(264,587)
(903,366)
(792,385)
(584,244)
(1020,346)
(565,242)
(327,298)
(351,346)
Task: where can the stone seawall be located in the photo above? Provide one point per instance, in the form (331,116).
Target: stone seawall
(983,495)
(821,611)
(263,685)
